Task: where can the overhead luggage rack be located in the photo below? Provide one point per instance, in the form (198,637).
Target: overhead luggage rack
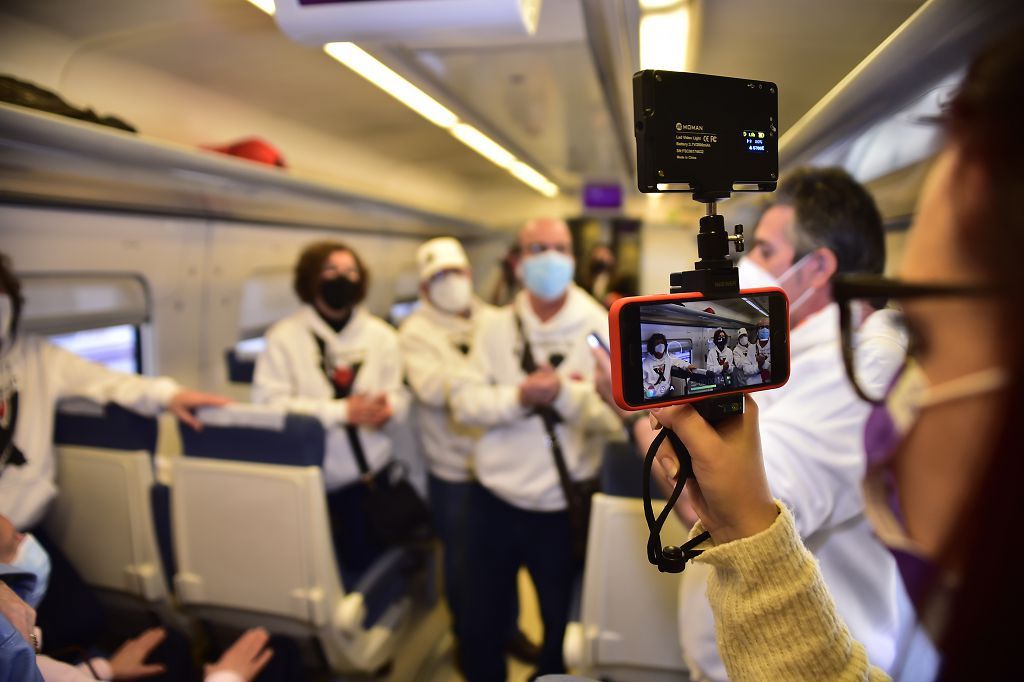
(47,160)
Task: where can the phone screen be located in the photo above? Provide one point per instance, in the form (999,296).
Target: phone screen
(678,349)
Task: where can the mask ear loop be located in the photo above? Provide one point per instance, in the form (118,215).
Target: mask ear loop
(669,559)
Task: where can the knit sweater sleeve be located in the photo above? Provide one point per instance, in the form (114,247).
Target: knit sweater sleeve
(774,617)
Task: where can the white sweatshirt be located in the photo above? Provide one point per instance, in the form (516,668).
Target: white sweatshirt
(434,364)
(42,374)
(812,438)
(513,459)
(747,372)
(658,374)
(289,375)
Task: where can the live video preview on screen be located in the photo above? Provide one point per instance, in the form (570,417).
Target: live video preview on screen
(698,347)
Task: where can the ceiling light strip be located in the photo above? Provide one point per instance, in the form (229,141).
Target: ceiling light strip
(375,71)
(378,73)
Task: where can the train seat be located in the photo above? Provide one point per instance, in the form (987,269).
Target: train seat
(110,518)
(240,366)
(627,625)
(254,546)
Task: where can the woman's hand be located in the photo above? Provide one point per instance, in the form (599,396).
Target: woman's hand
(730,493)
(185,402)
(246,657)
(129,661)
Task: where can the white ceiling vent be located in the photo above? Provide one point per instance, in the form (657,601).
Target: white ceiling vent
(405,21)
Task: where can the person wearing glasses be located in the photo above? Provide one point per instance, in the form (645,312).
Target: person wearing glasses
(822,223)
(333,360)
(943,440)
(531,388)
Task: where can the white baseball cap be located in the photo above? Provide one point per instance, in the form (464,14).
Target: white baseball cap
(439,254)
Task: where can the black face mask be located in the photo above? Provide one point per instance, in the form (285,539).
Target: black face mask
(339,293)
(720,343)
(599,266)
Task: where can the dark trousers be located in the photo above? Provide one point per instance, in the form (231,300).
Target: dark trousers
(449,507)
(354,547)
(500,539)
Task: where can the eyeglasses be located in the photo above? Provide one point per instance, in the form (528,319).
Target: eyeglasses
(876,350)
(535,248)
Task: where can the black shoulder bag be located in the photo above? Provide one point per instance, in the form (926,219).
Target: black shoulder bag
(395,512)
(578,494)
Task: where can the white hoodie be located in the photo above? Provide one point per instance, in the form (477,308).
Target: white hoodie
(434,365)
(289,375)
(42,374)
(513,459)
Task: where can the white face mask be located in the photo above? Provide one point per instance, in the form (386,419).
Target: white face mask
(451,293)
(743,341)
(659,349)
(6,320)
(754,276)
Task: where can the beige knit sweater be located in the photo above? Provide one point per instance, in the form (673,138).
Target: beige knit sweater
(774,617)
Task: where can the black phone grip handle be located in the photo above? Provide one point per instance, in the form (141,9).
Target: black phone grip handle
(670,558)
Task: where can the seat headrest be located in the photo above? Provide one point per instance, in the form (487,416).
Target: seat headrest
(255,433)
(81,422)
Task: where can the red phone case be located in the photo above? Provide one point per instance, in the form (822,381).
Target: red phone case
(613,328)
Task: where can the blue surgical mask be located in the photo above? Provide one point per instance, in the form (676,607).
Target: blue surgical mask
(548,274)
(32,560)
(762,334)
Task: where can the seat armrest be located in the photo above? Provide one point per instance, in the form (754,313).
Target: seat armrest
(385,582)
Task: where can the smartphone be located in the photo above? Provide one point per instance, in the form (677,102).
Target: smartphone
(679,348)
(596,342)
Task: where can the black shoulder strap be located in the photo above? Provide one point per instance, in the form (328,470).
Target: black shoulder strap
(352,432)
(549,417)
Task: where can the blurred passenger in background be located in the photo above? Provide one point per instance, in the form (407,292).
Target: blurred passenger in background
(34,375)
(822,223)
(435,342)
(334,360)
(600,271)
(506,283)
(24,578)
(944,444)
(520,513)
(621,287)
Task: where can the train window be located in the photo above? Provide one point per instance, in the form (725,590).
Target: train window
(116,347)
(267,297)
(96,315)
(402,309)
(251,347)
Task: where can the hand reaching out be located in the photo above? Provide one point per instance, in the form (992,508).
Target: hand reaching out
(129,661)
(186,401)
(246,657)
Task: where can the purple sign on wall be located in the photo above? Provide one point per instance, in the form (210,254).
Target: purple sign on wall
(602,195)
